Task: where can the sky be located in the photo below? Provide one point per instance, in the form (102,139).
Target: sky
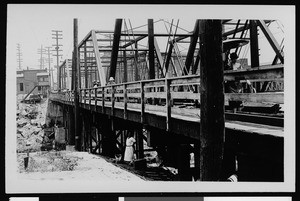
(31,25)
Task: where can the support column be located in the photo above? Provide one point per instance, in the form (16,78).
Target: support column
(125,66)
(254,51)
(71,136)
(140,143)
(151,49)
(76,73)
(212,100)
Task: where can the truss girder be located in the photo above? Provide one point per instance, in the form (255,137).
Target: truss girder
(101,70)
(273,42)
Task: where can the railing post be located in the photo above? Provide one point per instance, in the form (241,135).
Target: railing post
(96,99)
(168,103)
(125,101)
(90,98)
(112,100)
(84,96)
(103,99)
(142,102)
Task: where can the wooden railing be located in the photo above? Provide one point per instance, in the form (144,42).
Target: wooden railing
(168,96)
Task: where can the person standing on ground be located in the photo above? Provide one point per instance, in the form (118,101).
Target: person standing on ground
(129,150)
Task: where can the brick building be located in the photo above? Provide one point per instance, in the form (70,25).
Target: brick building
(32,79)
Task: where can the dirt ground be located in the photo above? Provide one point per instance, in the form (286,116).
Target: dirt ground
(67,165)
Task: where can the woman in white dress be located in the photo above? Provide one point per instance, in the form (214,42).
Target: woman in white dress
(129,150)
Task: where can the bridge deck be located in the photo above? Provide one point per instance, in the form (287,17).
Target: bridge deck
(191,115)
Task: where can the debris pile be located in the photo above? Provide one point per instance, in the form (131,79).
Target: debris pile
(30,127)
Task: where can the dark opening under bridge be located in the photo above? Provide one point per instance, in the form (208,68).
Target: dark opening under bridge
(181,115)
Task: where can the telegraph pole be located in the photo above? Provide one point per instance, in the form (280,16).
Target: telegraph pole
(41,52)
(57,35)
(75,72)
(19,54)
(49,66)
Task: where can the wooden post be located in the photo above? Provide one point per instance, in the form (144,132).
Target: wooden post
(125,101)
(140,143)
(254,52)
(96,99)
(85,67)
(142,102)
(125,66)
(112,100)
(103,99)
(212,100)
(90,98)
(75,71)
(168,104)
(151,49)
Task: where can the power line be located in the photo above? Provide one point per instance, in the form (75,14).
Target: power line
(19,54)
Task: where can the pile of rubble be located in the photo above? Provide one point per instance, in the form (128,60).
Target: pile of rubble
(30,127)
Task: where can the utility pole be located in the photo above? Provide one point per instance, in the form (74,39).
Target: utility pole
(41,52)
(57,35)
(19,54)
(75,72)
(49,67)
(212,123)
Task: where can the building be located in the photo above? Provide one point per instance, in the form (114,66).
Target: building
(35,81)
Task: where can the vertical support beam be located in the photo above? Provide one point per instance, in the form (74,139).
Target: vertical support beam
(103,99)
(68,74)
(140,143)
(254,51)
(85,67)
(136,57)
(191,50)
(76,101)
(125,101)
(212,122)
(273,42)
(125,66)
(115,48)
(112,100)
(95,90)
(142,102)
(168,104)
(151,49)
(71,136)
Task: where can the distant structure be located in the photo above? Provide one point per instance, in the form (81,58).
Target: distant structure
(19,54)
(32,81)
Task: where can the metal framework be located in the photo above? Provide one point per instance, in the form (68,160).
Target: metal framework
(150,80)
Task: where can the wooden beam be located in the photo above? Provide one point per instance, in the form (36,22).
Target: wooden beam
(212,122)
(254,51)
(151,49)
(101,71)
(258,73)
(267,97)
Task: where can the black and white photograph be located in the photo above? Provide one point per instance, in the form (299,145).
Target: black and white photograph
(150,98)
